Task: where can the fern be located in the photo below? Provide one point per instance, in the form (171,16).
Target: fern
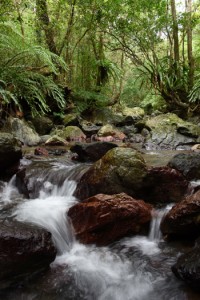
(21,66)
(194,95)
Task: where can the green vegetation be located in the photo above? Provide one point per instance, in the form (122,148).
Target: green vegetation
(135,53)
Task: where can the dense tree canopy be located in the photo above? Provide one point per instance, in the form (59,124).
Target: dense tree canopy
(140,52)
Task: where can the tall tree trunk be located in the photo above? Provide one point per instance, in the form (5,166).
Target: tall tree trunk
(175,34)
(189,42)
(44,24)
(100,55)
(66,39)
(169,37)
(20,19)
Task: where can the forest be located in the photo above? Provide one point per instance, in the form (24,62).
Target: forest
(58,55)
(100,149)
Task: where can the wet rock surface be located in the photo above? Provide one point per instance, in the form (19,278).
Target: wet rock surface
(92,151)
(183,220)
(119,170)
(23,248)
(168,132)
(164,185)
(187,163)
(10,151)
(187,267)
(103,219)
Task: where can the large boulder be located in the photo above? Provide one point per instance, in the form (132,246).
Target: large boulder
(187,163)
(10,151)
(168,131)
(22,131)
(164,185)
(119,170)
(103,219)
(91,151)
(187,267)
(183,220)
(23,248)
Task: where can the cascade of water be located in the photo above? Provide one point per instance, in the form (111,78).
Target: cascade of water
(49,209)
(155,233)
(101,273)
(9,191)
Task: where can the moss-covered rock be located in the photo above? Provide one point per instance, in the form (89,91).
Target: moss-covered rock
(70,120)
(70,133)
(119,170)
(56,141)
(134,112)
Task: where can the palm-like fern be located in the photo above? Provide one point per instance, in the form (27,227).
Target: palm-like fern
(194,95)
(21,76)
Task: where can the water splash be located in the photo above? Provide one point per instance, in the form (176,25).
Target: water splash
(104,275)
(49,211)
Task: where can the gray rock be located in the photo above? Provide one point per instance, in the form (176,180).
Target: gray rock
(169,132)
(187,267)
(24,132)
(92,151)
(187,163)
(23,248)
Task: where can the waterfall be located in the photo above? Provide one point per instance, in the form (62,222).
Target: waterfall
(157,215)
(8,190)
(123,271)
(49,210)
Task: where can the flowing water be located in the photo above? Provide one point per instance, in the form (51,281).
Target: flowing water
(134,268)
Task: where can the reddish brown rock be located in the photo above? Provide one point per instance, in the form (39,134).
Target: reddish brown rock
(109,133)
(183,219)
(164,185)
(108,138)
(41,151)
(103,219)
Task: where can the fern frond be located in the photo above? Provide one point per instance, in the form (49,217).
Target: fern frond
(20,65)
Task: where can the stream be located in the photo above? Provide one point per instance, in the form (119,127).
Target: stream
(134,268)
